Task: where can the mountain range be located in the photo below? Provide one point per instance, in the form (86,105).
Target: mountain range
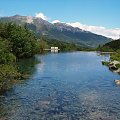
(59,31)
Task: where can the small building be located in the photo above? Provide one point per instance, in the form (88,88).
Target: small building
(54,49)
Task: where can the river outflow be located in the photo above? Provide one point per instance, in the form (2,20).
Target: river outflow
(64,86)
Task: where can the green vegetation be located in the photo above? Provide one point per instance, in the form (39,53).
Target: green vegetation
(22,42)
(118,65)
(115,56)
(105,63)
(6,56)
(8,76)
(15,42)
(63,46)
(45,43)
(105,49)
(113,46)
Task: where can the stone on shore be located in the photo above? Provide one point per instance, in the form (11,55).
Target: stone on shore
(117,82)
(114,62)
(112,65)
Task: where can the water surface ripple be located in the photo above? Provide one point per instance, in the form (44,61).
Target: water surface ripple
(65,86)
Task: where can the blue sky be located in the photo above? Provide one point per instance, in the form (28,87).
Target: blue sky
(88,12)
(92,12)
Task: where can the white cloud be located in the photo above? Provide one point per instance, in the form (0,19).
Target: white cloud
(111,33)
(55,21)
(41,15)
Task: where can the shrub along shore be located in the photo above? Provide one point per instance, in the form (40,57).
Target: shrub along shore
(16,42)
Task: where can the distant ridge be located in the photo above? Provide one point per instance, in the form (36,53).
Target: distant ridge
(59,31)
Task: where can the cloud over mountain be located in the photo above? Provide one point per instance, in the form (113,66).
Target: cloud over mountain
(100,30)
(111,33)
(41,15)
(55,21)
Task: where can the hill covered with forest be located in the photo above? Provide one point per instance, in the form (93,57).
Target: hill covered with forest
(111,46)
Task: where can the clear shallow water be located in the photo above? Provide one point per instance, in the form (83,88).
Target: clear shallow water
(65,86)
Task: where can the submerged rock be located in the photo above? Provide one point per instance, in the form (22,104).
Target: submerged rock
(117,82)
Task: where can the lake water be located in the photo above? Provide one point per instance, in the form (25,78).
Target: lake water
(64,86)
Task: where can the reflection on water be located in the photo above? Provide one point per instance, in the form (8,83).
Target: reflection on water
(27,65)
(65,86)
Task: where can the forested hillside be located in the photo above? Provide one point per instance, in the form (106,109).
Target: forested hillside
(111,46)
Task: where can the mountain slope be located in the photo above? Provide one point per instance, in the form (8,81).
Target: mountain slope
(111,46)
(60,31)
